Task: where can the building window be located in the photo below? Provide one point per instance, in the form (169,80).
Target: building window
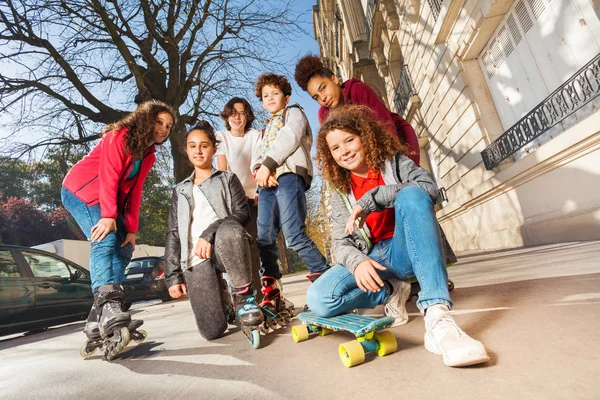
(404,91)
(436,6)
(370,18)
(338,19)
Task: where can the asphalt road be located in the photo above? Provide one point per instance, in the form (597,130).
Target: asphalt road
(537,310)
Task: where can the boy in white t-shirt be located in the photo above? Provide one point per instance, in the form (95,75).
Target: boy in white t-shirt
(235,154)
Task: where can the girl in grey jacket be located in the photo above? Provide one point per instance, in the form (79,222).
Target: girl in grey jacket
(206,238)
(385,233)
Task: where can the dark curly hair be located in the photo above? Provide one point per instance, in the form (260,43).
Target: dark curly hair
(207,128)
(140,125)
(308,67)
(229,110)
(378,143)
(275,80)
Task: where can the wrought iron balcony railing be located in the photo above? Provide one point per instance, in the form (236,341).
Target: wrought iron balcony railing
(436,6)
(370,18)
(404,91)
(575,93)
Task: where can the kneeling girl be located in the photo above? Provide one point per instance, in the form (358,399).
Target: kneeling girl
(206,238)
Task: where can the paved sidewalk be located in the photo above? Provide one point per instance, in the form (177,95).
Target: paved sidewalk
(536,309)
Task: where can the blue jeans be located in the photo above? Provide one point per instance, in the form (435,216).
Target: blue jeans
(107,258)
(284,207)
(414,251)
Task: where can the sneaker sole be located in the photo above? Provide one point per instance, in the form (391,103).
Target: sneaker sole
(470,358)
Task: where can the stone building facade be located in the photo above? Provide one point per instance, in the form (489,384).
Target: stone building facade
(503,95)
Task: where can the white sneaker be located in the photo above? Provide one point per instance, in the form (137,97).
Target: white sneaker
(396,304)
(444,337)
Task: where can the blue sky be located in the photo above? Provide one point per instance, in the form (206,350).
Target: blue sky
(303,44)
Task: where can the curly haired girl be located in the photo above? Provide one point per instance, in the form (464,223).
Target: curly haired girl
(103,192)
(384,234)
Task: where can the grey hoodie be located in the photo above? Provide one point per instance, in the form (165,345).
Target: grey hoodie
(401,171)
(292,146)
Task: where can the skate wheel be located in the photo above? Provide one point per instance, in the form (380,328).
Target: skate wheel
(85,353)
(325,332)
(299,333)
(387,343)
(141,337)
(351,353)
(450,285)
(125,338)
(255,341)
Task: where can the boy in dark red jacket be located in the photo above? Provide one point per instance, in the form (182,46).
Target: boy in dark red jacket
(330,92)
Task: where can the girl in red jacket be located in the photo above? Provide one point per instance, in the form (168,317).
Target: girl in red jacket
(330,92)
(103,192)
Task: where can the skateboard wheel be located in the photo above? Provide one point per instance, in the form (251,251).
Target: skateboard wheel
(351,353)
(450,285)
(299,333)
(325,332)
(83,351)
(141,337)
(387,343)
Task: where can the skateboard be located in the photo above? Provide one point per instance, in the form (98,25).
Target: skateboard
(367,330)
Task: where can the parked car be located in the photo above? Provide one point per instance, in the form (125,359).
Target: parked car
(40,289)
(145,280)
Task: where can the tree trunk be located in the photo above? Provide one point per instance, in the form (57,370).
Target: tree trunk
(181,166)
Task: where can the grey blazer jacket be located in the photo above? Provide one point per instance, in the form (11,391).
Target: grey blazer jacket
(227,197)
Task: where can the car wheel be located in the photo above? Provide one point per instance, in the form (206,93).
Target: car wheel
(165,297)
(126,306)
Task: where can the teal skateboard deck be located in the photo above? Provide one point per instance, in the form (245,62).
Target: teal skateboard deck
(368,332)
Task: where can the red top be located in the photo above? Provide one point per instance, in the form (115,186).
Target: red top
(101,178)
(382,223)
(358,92)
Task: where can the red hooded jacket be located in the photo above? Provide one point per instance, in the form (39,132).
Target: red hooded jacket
(101,178)
(358,92)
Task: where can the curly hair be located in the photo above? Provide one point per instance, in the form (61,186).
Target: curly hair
(278,81)
(379,144)
(308,67)
(140,125)
(229,110)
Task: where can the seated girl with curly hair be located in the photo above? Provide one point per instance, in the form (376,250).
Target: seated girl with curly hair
(384,233)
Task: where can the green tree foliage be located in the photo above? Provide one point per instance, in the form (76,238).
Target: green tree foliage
(13,177)
(156,203)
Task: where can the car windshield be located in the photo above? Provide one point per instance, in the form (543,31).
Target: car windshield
(136,265)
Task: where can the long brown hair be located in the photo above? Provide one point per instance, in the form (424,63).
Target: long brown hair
(140,125)
(378,143)
(229,110)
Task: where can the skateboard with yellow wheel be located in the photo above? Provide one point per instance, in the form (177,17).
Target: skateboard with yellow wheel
(368,332)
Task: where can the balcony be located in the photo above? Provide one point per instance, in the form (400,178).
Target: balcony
(404,91)
(370,18)
(575,93)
